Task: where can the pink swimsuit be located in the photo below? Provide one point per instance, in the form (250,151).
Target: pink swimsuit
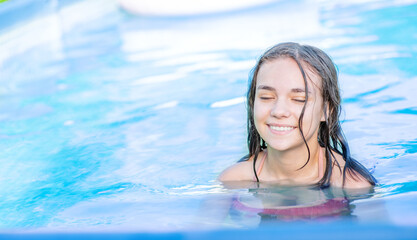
(331,207)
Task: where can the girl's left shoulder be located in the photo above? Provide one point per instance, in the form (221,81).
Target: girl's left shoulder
(353,180)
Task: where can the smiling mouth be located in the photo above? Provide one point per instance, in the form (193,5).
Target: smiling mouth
(281,129)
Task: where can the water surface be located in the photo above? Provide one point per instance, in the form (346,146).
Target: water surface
(114,121)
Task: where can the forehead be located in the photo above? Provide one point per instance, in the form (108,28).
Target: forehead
(285,73)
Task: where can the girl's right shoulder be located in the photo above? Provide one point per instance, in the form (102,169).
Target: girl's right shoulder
(241,171)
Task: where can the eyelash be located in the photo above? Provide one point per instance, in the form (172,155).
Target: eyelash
(269,98)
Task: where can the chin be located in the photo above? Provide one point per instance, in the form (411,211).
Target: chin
(279,147)
(285,146)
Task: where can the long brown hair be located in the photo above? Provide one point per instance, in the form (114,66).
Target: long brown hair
(330,135)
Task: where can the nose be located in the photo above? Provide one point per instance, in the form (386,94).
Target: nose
(280,109)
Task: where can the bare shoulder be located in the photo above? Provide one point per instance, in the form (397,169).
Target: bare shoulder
(353,180)
(241,171)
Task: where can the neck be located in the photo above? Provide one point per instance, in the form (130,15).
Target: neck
(288,165)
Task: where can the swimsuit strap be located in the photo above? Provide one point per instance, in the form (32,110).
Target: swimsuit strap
(320,162)
(261,165)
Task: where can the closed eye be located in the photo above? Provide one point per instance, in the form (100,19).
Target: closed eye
(300,100)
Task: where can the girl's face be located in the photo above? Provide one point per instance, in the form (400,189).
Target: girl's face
(279,100)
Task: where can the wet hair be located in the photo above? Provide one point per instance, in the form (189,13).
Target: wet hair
(330,135)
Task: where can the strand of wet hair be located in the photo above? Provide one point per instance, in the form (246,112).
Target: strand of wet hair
(300,123)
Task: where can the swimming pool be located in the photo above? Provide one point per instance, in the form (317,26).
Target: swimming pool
(115,122)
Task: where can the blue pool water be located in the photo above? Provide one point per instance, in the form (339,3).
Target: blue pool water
(111,121)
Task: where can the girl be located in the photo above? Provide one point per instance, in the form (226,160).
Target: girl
(294,134)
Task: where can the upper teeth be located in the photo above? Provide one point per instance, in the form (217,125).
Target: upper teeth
(281,128)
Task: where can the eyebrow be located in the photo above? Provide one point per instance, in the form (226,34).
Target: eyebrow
(294,90)
(299,90)
(264,87)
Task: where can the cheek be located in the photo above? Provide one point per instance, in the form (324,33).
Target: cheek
(259,111)
(313,115)
(316,116)
(259,115)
